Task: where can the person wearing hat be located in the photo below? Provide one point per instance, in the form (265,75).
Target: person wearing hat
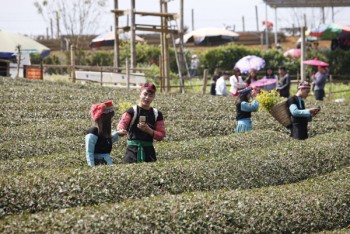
(236,82)
(244,109)
(194,66)
(144,124)
(220,87)
(319,82)
(99,139)
(300,115)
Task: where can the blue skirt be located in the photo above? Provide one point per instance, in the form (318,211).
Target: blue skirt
(244,125)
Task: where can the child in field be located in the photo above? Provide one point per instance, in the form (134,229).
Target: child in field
(99,139)
(143,124)
(244,108)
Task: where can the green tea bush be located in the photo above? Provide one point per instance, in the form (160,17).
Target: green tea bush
(313,205)
(44,169)
(285,163)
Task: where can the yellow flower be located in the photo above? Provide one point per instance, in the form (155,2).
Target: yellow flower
(267,99)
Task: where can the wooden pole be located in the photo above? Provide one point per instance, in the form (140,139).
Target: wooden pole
(41,69)
(276,39)
(181,57)
(58,25)
(116,39)
(192,15)
(266,29)
(302,57)
(257,18)
(127,65)
(161,77)
(18,59)
(132,37)
(72,62)
(101,76)
(205,81)
(166,46)
(243,24)
(162,52)
(330,87)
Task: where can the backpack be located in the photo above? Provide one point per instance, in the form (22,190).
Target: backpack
(155,112)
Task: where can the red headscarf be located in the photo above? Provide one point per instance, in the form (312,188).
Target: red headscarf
(101,108)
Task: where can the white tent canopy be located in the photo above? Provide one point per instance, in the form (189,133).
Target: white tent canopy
(10,41)
(200,35)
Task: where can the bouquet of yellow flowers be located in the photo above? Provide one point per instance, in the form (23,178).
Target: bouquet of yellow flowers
(267,99)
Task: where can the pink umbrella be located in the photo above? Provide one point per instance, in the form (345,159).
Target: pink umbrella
(294,53)
(316,62)
(263,82)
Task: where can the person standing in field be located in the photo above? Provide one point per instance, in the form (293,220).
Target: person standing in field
(220,87)
(99,139)
(270,75)
(253,76)
(284,82)
(194,66)
(236,82)
(244,109)
(319,82)
(144,124)
(300,115)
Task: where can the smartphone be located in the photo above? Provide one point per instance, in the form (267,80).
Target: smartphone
(142,119)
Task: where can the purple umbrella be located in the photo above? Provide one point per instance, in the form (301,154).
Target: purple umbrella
(249,62)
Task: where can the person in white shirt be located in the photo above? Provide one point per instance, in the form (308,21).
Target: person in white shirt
(194,66)
(236,82)
(220,87)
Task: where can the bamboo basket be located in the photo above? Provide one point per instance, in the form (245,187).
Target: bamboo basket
(281,113)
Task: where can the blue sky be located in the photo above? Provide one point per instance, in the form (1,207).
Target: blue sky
(20,16)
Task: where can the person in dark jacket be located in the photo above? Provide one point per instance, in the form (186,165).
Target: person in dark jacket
(300,115)
(284,82)
(213,84)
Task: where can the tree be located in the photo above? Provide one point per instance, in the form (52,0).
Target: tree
(72,17)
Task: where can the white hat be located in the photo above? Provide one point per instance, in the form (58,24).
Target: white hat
(194,56)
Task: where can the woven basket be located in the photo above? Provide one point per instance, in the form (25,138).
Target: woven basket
(281,113)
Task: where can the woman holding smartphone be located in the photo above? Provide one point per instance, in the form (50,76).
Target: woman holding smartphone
(144,124)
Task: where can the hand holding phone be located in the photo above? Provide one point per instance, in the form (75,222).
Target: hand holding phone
(142,119)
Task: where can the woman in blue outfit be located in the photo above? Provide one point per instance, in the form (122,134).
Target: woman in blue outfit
(99,139)
(244,109)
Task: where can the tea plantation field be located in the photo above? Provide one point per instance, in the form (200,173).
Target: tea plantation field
(207,179)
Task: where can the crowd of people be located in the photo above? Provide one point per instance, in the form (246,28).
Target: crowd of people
(142,124)
(246,91)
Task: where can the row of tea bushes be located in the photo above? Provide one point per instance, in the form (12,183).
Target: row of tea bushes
(187,149)
(187,116)
(313,205)
(23,148)
(45,129)
(55,189)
